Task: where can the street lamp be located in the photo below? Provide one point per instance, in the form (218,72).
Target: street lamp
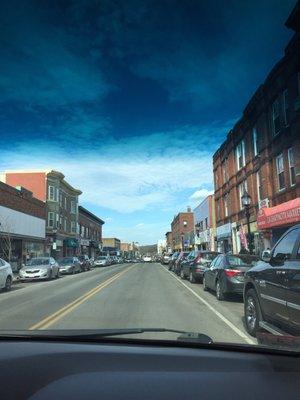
(246,202)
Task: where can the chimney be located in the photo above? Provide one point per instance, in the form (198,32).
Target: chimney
(189,209)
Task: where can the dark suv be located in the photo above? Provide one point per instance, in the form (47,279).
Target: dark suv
(272,288)
(195,264)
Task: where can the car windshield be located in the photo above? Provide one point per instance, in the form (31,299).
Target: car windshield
(66,261)
(156,144)
(38,261)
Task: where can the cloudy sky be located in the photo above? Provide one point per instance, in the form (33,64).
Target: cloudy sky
(130,99)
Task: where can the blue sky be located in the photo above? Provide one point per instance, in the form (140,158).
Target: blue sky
(130,99)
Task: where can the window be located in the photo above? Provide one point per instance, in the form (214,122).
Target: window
(60,222)
(57,220)
(242,187)
(66,202)
(60,199)
(73,226)
(275,117)
(285,96)
(255,142)
(284,249)
(280,171)
(259,188)
(240,155)
(51,191)
(65,225)
(292,167)
(51,219)
(226,205)
(73,206)
(206,222)
(218,210)
(184,223)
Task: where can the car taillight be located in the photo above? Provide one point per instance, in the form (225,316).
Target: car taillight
(232,272)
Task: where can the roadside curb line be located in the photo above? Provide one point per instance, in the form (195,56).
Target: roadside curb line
(216,312)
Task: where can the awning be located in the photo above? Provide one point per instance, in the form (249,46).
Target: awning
(284,214)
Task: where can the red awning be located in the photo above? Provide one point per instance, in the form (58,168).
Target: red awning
(284,214)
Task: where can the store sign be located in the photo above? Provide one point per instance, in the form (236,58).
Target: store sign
(287,213)
(263,203)
(224,231)
(84,242)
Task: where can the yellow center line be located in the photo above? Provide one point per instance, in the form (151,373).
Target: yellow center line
(51,319)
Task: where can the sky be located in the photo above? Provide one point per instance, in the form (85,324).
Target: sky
(130,99)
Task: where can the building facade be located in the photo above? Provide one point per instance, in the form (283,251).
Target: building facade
(169,242)
(61,201)
(261,157)
(22,225)
(204,219)
(111,245)
(182,227)
(90,232)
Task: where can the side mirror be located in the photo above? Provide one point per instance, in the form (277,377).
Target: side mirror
(266,256)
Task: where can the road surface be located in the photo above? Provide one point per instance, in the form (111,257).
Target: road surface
(123,296)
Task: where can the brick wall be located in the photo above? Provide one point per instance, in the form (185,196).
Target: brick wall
(179,228)
(33,181)
(21,200)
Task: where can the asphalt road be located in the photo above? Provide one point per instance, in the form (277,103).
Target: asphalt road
(123,296)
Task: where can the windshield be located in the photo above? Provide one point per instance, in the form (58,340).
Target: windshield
(150,157)
(38,261)
(66,261)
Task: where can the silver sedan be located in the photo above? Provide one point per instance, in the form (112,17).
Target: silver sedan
(39,268)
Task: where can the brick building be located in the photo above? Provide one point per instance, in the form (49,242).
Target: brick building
(205,224)
(182,228)
(169,241)
(90,232)
(261,156)
(61,201)
(111,245)
(22,225)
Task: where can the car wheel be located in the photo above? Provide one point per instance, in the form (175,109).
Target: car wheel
(57,274)
(191,277)
(182,276)
(205,288)
(219,291)
(252,312)
(8,284)
(73,271)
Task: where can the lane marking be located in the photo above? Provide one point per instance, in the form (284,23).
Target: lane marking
(216,312)
(51,319)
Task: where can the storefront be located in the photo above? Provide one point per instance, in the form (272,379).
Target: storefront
(205,240)
(240,240)
(224,238)
(274,221)
(70,247)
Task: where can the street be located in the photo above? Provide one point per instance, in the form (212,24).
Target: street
(123,296)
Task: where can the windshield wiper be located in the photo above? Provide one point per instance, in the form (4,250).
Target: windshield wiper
(95,334)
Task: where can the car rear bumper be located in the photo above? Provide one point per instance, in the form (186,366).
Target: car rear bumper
(234,287)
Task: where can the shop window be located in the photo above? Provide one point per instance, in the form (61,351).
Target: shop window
(276,117)
(280,172)
(240,155)
(292,166)
(285,104)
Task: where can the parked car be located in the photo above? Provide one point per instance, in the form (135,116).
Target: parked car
(166,258)
(226,274)
(6,275)
(147,259)
(182,256)
(39,268)
(189,258)
(193,267)
(272,288)
(173,259)
(84,262)
(69,265)
(102,261)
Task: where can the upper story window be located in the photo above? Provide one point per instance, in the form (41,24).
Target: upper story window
(255,141)
(73,226)
(52,193)
(240,155)
(280,171)
(60,199)
(259,187)
(51,219)
(285,104)
(184,223)
(292,166)
(66,202)
(242,187)
(73,206)
(226,205)
(276,117)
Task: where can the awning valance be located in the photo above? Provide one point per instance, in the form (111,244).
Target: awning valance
(284,214)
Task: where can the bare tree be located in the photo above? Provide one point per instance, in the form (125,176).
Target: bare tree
(5,238)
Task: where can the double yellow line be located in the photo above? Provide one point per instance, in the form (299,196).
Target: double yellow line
(51,319)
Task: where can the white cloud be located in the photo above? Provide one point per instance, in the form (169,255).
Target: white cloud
(201,194)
